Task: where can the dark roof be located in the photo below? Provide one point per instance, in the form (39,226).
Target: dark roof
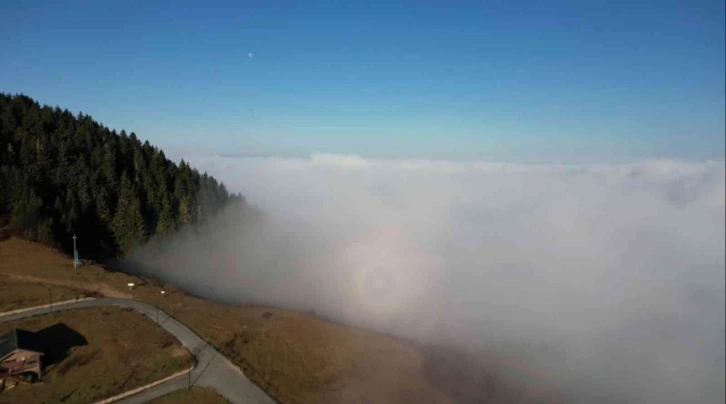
(20,339)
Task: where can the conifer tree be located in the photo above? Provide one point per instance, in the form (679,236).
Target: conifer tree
(62,174)
(166,223)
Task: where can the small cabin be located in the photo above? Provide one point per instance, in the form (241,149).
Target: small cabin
(20,353)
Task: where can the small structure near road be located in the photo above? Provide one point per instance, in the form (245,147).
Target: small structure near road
(20,354)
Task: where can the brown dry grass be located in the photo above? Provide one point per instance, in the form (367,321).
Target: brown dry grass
(295,357)
(123,350)
(193,396)
(15,294)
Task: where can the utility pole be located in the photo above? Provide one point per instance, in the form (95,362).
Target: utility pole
(76,261)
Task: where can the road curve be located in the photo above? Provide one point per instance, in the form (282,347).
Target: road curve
(212,371)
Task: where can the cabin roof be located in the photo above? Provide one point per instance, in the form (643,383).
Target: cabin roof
(20,339)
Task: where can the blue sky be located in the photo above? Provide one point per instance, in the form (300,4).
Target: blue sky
(505,81)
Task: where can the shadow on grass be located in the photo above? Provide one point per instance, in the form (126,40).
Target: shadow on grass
(59,341)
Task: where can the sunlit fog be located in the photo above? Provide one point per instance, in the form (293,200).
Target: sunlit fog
(609,279)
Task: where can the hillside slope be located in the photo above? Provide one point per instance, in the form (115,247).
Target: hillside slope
(298,357)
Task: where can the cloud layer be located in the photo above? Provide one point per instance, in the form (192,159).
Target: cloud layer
(608,277)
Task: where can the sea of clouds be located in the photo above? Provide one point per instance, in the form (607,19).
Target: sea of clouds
(609,277)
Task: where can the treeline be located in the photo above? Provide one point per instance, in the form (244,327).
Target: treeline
(62,174)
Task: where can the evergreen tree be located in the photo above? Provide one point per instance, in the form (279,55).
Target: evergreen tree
(166,224)
(128,223)
(185,212)
(62,174)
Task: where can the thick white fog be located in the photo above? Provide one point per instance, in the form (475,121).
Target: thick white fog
(607,278)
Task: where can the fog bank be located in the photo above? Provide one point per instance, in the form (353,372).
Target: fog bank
(609,278)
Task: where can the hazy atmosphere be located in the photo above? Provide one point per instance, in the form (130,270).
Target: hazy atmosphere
(607,278)
(540,183)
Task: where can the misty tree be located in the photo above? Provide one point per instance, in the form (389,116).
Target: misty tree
(185,215)
(165,224)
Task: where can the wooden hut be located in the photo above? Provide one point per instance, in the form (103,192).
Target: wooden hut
(20,353)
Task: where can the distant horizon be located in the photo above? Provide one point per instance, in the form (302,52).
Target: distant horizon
(307,156)
(178,154)
(558,81)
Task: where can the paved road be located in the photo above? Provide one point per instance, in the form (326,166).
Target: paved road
(212,371)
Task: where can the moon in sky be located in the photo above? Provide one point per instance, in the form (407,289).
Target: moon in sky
(251,55)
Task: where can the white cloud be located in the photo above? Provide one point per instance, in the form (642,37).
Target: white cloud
(339,160)
(617,270)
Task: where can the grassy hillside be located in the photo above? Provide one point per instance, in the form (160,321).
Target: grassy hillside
(97,353)
(20,294)
(298,357)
